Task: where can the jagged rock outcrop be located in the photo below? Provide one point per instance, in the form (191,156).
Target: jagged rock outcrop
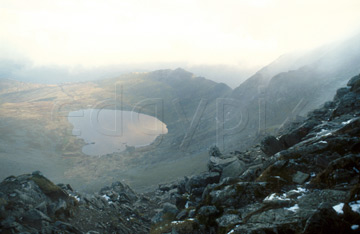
(33,204)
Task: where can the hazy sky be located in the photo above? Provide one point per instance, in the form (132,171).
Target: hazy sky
(234,32)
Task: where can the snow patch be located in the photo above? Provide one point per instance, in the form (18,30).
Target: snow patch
(339,208)
(233,230)
(293,208)
(177,222)
(355,206)
(284,196)
(107,198)
(77,198)
(273,196)
(323,142)
(270,197)
(300,190)
(323,132)
(347,122)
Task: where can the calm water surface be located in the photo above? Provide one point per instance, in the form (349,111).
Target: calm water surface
(107,131)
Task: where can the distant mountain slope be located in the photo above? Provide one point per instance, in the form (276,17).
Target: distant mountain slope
(339,58)
(295,84)
(10,86)
(168,86)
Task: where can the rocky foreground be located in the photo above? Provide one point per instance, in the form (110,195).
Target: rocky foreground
(304,181)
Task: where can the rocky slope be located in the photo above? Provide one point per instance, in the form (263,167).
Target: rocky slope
(303,181)
(32,204)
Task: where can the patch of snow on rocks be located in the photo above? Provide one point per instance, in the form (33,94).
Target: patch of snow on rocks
(347,122)
(293,208)
(273,196)
(355,206)
(323,132)
(339,208)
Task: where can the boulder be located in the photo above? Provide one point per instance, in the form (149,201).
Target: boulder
(217,164)
(228,220)
(47,187)
(270,145)
(214,151)
(341,93)
(157,218)
(164,187)
(324,220)
(208,210)
(353,81)
(238,194)
(234,169)
(202,180)
(170,208)
(181,215)
(300,177)
(35,216)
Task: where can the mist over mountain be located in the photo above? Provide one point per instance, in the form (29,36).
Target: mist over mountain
(233,76)
(292,85)
(25,70)
(328,59)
